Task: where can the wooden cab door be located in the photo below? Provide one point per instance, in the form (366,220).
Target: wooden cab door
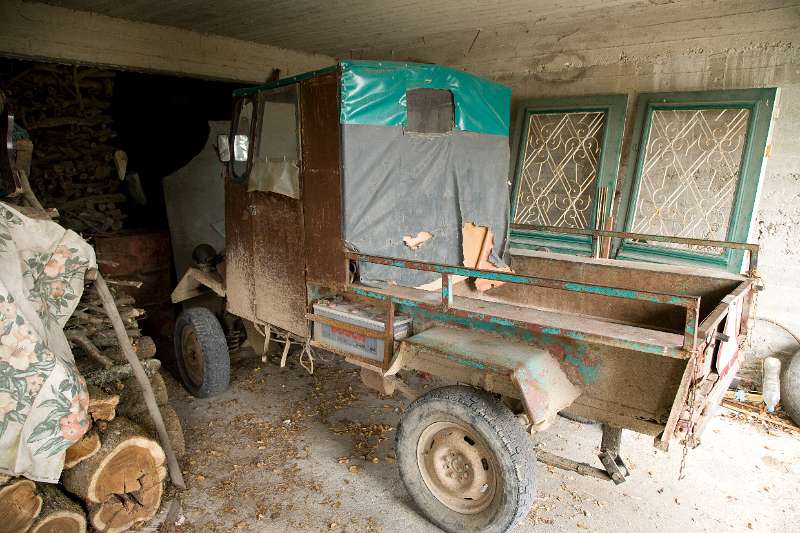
(264,225)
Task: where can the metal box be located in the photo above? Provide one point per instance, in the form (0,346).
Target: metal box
(361,315)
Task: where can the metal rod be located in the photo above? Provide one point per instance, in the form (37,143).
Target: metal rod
(588,288)
(709,325)
(447,291)
(434,310)
(752,248)
(573,466)
(388,339)
(690,330)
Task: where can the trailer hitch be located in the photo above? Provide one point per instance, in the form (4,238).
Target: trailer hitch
(609,454)
(615,468)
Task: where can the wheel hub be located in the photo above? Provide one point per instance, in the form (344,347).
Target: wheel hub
(457,467)
(192,355)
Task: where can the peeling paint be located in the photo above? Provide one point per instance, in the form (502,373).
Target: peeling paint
(416,242)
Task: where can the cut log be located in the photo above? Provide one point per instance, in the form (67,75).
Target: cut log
(83,449)
(144,347)
(171,421)
(80,339)
(105,376)
(19,505)
(59,513)
(102,406)
(122,484)
(132,400)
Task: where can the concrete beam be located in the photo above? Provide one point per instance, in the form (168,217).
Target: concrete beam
(43,32)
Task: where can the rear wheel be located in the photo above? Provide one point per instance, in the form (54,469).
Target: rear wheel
(466,460)
(202,353)
(790,388)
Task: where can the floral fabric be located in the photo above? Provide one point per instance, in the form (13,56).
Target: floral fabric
(43,398)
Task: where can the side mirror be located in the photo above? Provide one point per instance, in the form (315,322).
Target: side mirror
(223,149)
(240,146)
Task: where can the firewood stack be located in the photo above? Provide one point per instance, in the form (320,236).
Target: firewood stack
(114,477)
(66,110)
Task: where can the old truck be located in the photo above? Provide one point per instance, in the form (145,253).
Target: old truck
(366,214)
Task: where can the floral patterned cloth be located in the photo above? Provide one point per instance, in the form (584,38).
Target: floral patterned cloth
(43,397)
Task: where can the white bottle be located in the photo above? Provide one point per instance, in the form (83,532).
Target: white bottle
(771,384)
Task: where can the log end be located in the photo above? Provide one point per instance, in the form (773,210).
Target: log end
(61,522)
(83,449)
(19,506)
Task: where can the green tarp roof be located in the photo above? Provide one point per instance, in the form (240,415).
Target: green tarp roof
(374,92)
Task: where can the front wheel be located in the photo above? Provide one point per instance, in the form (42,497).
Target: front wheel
(466,460)
(202,353)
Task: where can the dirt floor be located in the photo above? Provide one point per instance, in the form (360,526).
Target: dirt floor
(285,451)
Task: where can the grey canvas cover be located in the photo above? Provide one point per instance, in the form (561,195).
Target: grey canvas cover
(399,183)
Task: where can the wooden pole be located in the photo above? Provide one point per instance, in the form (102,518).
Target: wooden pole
(138,371)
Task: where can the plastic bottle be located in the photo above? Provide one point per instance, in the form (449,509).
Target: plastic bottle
(771,384)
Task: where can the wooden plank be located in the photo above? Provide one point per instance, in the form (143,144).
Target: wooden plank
(321,180)
(239,281)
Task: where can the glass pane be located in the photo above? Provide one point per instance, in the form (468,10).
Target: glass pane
(429,110)
(240,145)
(276,165)
(559,169)
(241,138)
(690,172)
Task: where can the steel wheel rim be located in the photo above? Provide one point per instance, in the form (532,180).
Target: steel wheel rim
(192,355)
(457,467)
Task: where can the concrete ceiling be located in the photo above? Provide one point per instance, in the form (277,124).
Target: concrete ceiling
(358,28)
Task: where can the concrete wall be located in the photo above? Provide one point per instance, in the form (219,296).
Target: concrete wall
(715,45)
(38,31)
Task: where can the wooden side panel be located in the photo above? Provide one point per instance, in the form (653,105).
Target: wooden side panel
(321,180)
(239,282)
(278,261)
(711,288)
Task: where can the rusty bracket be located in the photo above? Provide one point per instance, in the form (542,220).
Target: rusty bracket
(609,454)
(614,465)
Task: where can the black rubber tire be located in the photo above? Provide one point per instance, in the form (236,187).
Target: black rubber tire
(790,388)
(216,359)
(504,436)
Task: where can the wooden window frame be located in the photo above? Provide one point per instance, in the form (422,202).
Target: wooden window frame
(614,106)
(761,104)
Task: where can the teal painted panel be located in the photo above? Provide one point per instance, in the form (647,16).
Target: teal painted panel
(614,108)
(248,91)
(551,242)
(374,93)
(760,103)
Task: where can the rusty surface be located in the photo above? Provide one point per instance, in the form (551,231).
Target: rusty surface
(751,248)
(552,283)
(144,256)
(710,286)
(279,262)
(239,260)
(388,335)
(626,380)
(321,180)
(133,252)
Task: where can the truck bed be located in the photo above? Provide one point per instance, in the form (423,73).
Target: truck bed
(579,327)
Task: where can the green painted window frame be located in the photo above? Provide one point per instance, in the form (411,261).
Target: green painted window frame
(614,106)
(761,103)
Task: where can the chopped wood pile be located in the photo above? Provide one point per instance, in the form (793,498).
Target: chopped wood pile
(114,477)
(66,110)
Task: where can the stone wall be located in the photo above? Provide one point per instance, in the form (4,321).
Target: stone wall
(709,46)
(37,31)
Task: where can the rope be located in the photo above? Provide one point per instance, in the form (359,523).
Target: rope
(306,358)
